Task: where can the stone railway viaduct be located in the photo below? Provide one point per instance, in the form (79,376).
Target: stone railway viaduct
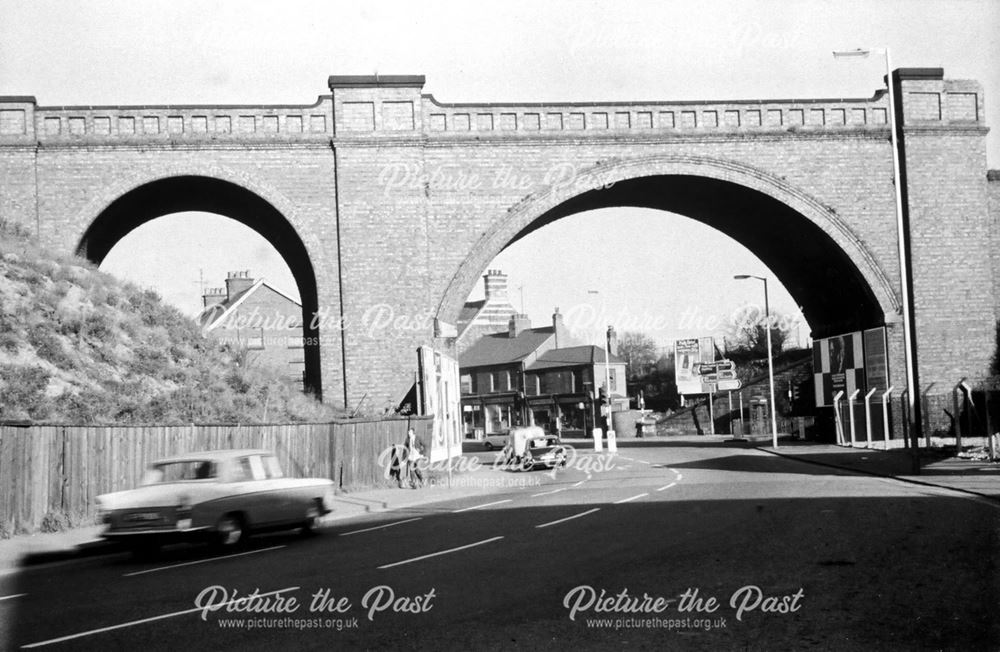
(384,201)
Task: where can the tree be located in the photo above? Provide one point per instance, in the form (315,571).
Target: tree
(639,351)
(747,334)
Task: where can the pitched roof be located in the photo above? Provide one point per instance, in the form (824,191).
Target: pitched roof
(499,348)
(573,356)
(468,312)
(215,314)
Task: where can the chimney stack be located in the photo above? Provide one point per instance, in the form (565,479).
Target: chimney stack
(236,283)
(213,296)
(518,324)
(495,283)
(559,328)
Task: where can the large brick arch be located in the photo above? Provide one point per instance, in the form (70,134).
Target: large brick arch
(558,200)
(143,176)
(140,198)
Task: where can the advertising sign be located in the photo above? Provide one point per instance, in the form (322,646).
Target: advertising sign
(848,362)
(876,359)
(439,395)
(689,356)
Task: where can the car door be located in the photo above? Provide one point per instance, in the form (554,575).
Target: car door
(242,491)
(272,498)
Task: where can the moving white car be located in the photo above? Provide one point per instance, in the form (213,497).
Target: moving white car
(216,496)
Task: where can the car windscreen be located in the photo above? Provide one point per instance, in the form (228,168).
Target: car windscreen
(180,471)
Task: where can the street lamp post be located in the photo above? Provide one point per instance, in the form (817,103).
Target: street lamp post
(770,356)
(607,376)
(913,402)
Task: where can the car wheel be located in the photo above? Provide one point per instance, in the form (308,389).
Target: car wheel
(230,531)
(527,462)
(488,446)
(313,515)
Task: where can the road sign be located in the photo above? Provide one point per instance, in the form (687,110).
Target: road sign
(729,385)
(714,368)
(714,372)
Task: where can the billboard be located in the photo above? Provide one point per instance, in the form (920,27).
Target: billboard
(853,361)
(688,355)
(439,396)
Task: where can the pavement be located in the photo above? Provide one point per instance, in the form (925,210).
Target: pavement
(937,468)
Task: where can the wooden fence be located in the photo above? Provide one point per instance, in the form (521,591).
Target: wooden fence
(56,471)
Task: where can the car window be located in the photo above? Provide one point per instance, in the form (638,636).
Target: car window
(257,467)
(272,467)
(241,471)
(180,471)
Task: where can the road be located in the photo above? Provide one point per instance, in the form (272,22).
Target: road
(689,545)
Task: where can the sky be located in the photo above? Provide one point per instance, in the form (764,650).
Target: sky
(229,52)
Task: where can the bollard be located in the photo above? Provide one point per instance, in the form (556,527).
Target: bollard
(612,442)
(850,402)
(596,432)
(868,416)
(885,415)
(839,419)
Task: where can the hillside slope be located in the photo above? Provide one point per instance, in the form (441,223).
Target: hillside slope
(80,346)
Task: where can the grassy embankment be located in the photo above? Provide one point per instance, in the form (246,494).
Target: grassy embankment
(78,346)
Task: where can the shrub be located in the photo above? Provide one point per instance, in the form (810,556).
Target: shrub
(22,391)
(98,326)
(49,348)
(55,522)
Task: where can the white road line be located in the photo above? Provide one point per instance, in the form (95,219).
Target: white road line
(579,483)
(202,561)
(466,509)
(546,493)
(442,552)
(142,621)
(378,527)
(11,597)
(569,518)
(628,500)
(667,487)
(643,462)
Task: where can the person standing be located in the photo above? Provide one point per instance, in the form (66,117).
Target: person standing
(413,457)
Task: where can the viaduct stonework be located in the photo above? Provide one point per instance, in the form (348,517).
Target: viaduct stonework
(388,205)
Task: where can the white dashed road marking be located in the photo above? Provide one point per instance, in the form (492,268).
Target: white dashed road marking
(378,527)
(466,509)
(132,623)
(569,518)
(628,500)
(442,552)
(202,561)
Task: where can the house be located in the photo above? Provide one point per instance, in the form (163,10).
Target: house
(249,314)
(539,376)
(560,385)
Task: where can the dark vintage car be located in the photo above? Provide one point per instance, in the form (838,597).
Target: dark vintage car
(216,496)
